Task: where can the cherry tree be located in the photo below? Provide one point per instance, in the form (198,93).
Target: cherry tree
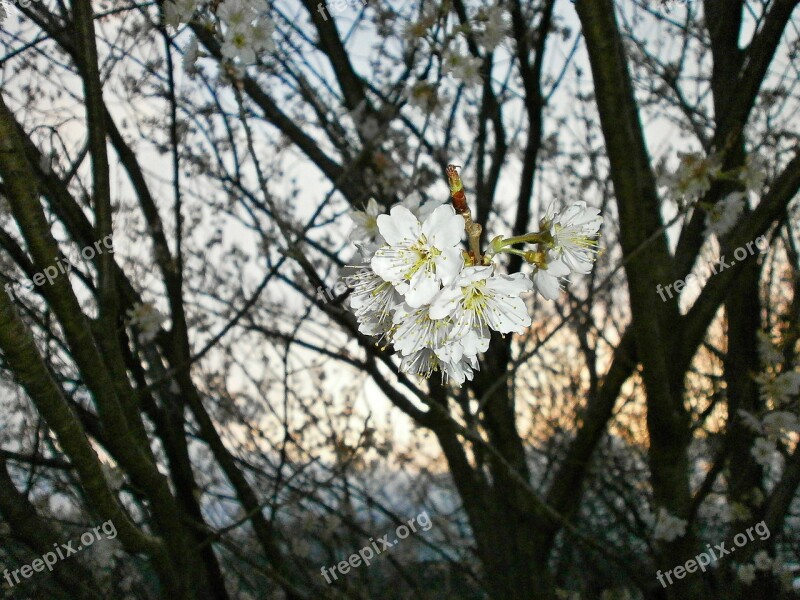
(281,275)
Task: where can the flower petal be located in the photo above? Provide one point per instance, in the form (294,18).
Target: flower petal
(547,285)
(399,227)
(391,264)
(509,285)
(448,265)
(422,288)
(444,228)
(507,314)
(445,302)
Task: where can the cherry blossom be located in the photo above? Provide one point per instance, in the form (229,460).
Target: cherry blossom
(547,278)
(494,27)
(693,177)
(762,561)
(418,257)
(746,573)
(147,320)
(179,11)
(437,303)
(373,300)
(366,223)
(753,173)
(463,67)
(247,31)
(574,233)
(668,527)
(721,217)
(762,451)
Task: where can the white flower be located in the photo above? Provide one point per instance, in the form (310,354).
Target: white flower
(419,28)
(721,218)
(425,362)
(693,177)
(574,232)
(546,278)
(417,258)
(114,476)
(261,35)
(416,330)
(237,44)
(762,560)
(426,97)
(479,301)
(746,574)
(458,359)
(422,363)
(668,527)
(763,450)
(460,370)
(373,301)
(463,67)
(3,13)
(235,13)
(245,33)
(767,352)
(178,11)
(146,318)
(366,222)
(494,28)
(753,173)
(190,56)
(449,358)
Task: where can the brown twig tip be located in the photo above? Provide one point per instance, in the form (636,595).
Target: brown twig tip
(457,190)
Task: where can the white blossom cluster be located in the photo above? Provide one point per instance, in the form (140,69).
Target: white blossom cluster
(421,291)
(243,28)
(694,176)
(488,28)
(668,527)
(779,391)
(762,561)
(147,320)
(572,249)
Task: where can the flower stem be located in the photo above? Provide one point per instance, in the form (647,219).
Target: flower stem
(539,237)
(459,199)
